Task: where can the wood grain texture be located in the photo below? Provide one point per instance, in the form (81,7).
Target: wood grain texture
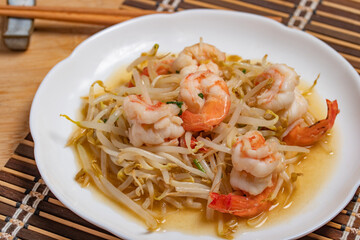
(22,72)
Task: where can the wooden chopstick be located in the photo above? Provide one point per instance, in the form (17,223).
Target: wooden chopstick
(81,15)
(66,16)
(101,11)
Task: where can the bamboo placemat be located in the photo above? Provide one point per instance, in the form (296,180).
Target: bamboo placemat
(28,210)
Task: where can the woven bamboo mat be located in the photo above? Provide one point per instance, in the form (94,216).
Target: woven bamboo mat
(28,210)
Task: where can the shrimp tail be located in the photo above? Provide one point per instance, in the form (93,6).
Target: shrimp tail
(306,136)
(241,206)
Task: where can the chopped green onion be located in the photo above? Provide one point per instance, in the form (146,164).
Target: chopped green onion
(105,120)
(179,104)
(198,165)
(201,95)
(244,70)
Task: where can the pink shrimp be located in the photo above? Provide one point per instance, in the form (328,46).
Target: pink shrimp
(152,123)
(306,136)
(197,54)
(161,67)
(253,154)
(278,94)
(207,98)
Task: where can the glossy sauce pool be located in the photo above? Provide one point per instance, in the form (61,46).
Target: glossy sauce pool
(317,167)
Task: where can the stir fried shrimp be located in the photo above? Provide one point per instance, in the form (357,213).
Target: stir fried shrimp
(152,124)
(278,92)
(248,183)
(210,66)
(207,98)
(254,160)
(221,135)
(255,155)
(308,135)
(195,55)
(297,109)
(159,67)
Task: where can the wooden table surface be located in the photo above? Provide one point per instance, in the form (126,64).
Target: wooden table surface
(22,72)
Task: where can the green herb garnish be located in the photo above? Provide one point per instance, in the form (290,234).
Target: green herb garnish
(179,104)
(201,95)
(198,165)
(244,70)
(105,120)
(177,71)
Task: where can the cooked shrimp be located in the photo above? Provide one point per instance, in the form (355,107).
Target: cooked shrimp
(297,109)
(213,67)
(196,55)
(207,98)
(152,124)
(279,93)
(242,206)
(251,153)
(248,183)
(161,67)
(166,130)
(306,136)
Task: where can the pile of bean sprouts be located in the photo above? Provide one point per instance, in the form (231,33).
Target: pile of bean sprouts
(153,181)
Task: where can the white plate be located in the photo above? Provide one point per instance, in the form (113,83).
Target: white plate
(238,33)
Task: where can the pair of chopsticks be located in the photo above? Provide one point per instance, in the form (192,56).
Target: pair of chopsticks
(99,16)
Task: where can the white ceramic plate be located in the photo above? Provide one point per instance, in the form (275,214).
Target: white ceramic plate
(238,33)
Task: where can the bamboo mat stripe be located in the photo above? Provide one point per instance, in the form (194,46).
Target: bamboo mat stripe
(28,210)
